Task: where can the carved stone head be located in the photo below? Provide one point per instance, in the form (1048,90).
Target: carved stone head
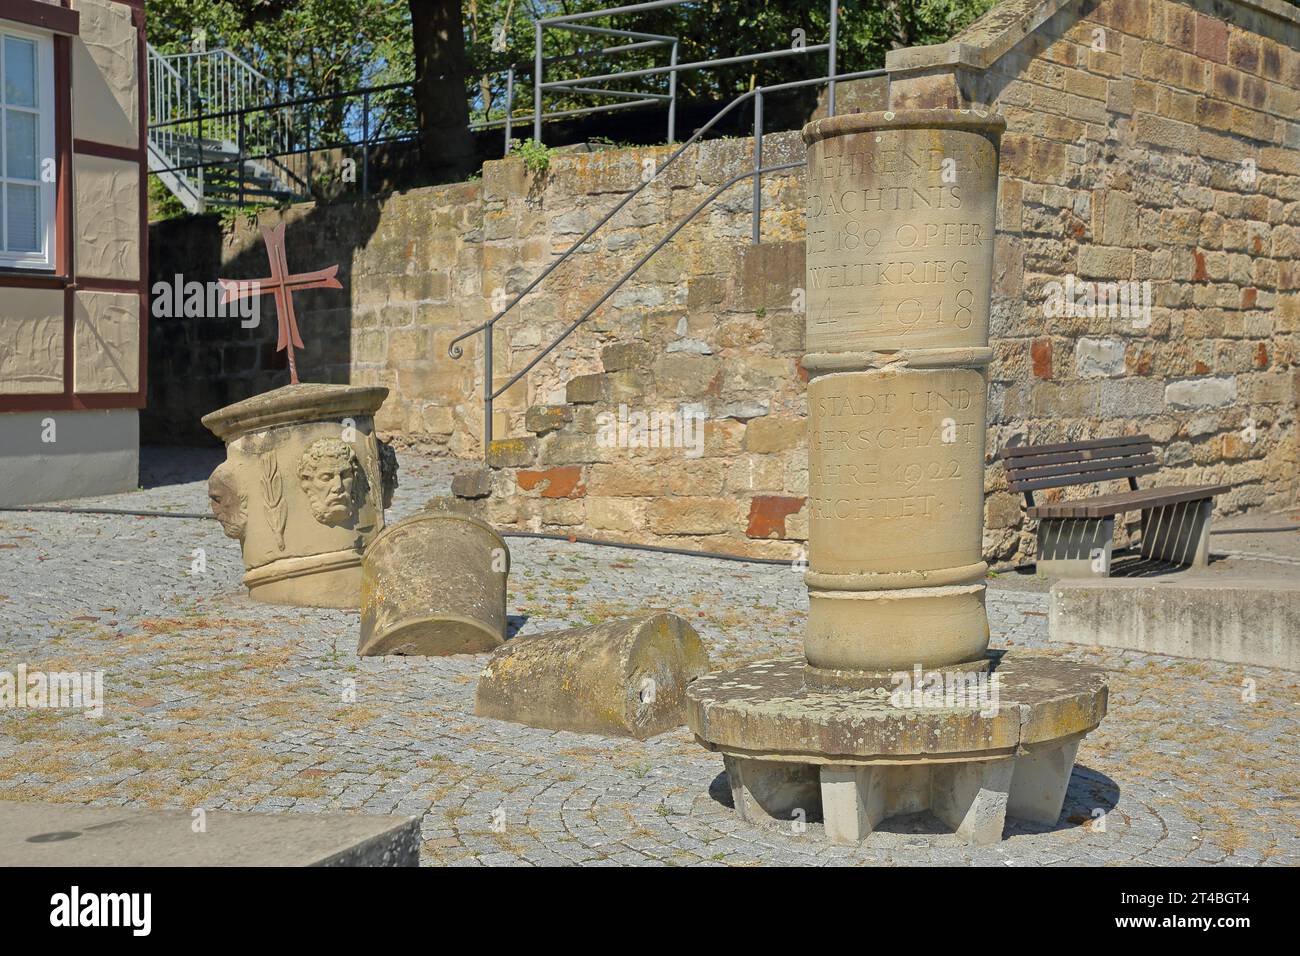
(229,502)
(327,473)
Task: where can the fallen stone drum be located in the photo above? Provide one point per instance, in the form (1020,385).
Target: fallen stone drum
(625,677)
(434,584)
(303,489)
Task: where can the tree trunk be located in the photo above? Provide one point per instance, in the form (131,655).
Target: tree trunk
(900,24)
(440,95)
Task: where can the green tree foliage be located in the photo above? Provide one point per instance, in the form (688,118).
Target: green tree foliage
(320,47)
(305,47)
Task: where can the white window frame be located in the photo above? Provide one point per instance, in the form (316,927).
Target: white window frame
(45,110)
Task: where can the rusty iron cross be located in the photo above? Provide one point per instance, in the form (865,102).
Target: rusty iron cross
(282,284)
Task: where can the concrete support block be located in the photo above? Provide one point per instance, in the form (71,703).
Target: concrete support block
(764,790)
(1178,533)
(1075,547)
(1040,781)
(1242,620)
(853,801)
(971,797)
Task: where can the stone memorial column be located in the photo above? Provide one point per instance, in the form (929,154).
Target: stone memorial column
(896,706)
(900,224)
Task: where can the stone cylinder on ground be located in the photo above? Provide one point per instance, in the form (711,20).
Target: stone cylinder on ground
(434,584)
(626,677)
(901,209)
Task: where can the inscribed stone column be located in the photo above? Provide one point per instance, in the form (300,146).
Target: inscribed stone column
(900,226)
(896,706)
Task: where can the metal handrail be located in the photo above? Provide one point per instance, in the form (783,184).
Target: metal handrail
(224,51)
(238,77)
(454,349)
(300,101)
(245,156)
(573,22)
(683,67)
(681,224)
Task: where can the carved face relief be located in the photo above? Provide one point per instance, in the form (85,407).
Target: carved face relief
(229,504)
(327,473)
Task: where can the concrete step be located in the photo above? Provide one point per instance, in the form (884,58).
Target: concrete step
(1240,620)
(65,834)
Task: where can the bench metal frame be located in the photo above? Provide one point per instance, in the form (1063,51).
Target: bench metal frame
(1076,538)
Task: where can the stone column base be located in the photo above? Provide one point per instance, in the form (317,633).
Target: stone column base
(855,758)
(973,797)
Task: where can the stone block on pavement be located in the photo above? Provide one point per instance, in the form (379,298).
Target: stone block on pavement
(625,678)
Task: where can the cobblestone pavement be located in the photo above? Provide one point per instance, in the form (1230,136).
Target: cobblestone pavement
(213,701)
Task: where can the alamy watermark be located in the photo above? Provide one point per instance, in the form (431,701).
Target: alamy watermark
(207,300)
(1081,298)
(130,910)
(67,690)
(929,690)
(682,427)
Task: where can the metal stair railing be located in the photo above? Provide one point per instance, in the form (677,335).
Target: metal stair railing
(171,99)
(287,144)
(197,103)
(220,82)
(454,349)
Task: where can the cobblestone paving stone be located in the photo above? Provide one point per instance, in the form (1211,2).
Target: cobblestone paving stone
(214,701)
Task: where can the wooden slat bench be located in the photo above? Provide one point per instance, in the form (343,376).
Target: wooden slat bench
(1075,537)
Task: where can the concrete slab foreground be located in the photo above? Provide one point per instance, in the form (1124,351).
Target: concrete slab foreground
(1240,620)
(56,834)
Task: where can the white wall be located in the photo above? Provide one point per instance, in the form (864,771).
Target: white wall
(93,453)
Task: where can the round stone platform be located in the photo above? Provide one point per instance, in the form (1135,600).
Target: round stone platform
(967,745)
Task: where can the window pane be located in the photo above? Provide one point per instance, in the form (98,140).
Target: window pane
(20,145)
(20,72)
(24,218)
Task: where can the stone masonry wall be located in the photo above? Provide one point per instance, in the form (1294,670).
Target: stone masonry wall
(1159,142)
(1121,163)
(1148,141)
